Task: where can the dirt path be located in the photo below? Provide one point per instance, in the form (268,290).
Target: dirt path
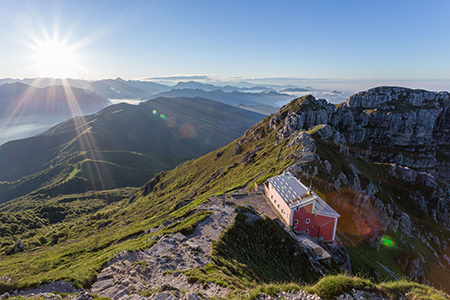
(258,201)
(131,273)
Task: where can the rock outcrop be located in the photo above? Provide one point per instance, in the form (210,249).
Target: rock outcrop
(408,129)
(415,121)
(159,270)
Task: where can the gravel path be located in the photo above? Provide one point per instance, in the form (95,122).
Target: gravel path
(132,273)
(50,287)
(299,295)
(154,274)
(258,201)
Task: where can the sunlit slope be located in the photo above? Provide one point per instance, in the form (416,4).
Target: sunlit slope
(171,195)
(392,217)
(122,145)
(21,100)
(379,221)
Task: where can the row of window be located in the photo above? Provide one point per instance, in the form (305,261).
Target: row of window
(307,221)
(282,210)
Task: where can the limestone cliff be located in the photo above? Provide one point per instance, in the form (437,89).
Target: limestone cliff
(401,126)
(391,170)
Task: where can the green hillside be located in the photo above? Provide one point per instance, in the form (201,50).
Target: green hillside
(76,248)
(122,145)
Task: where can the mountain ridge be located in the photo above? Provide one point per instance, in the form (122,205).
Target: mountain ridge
(231,98)
(21,99)
(387,222)
(170,130)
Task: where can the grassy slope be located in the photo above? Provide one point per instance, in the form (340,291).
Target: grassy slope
(122,145)
(252,253)
(87,243)
(92,241)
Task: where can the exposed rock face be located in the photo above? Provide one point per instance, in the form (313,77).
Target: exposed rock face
(409,129)
(305,140)
(408,132)
(397,116)
(312,112)
(412,120)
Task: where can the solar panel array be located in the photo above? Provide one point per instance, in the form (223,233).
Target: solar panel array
(294,193)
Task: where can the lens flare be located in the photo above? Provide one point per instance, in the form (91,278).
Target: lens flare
(171,121)
(154,111)
(387,242)
(114,90)
(187,130)
(163,116)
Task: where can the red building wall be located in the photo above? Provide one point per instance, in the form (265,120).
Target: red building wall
(318,225)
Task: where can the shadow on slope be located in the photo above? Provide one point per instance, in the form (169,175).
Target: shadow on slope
(121,145)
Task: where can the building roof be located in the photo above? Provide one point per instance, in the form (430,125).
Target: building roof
(296,194)
(288,187)
(322,208)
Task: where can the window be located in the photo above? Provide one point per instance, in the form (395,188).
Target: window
(307,231)
(271,197)
(278,205)
(296,222)
(307,221)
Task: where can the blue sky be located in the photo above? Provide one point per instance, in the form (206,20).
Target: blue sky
(342,43)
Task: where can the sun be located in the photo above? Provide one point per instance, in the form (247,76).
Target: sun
(55,59)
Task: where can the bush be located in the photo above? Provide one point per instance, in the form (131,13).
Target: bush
(334,285)
(42,240)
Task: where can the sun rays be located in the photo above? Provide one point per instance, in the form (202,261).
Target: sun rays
(54,55)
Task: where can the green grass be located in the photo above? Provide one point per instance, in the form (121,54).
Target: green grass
(273,289)
(77,238)
(249,254)
(396,289)
(86,244)
(146,293)
(332,286)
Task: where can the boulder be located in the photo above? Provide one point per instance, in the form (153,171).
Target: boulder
(164,296)
(405,224)
(192,296)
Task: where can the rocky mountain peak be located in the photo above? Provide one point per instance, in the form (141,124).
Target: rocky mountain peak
(391,97)
(414,122)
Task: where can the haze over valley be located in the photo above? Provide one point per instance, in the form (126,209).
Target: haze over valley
(31,106)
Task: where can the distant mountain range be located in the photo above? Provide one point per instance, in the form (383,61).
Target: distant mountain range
(130,89)
(26,110)
(295,90)
(227,88)
(122,145)
(136,89)
(233,98)
(45,82)
(21,100)
(18,99)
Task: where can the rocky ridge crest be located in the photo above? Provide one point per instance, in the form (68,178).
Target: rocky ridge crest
(405,131)
(409,129)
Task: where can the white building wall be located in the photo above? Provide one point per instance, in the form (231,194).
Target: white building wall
(279,204)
